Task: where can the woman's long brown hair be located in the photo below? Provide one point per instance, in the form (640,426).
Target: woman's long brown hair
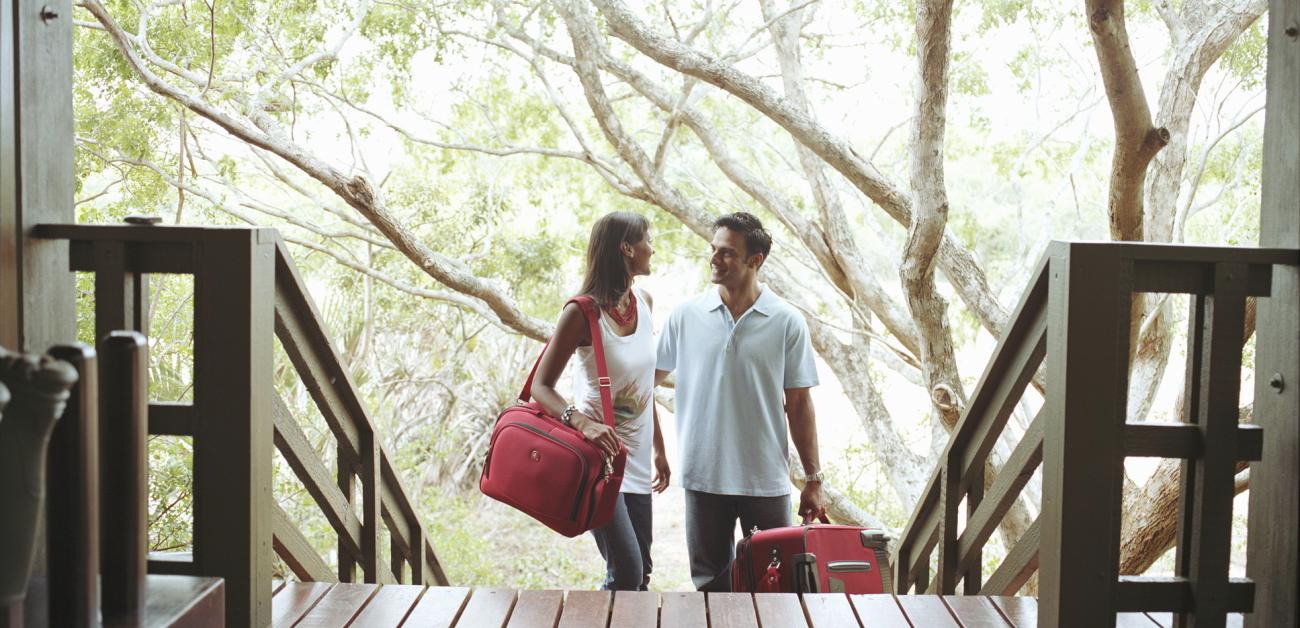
(607,271)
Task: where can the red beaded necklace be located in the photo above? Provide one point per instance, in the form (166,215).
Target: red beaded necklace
(626,317)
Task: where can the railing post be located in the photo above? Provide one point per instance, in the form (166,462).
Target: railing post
(973,578)
(1207,525)
(124,472)
(1087,381)
(949,504)
(347,562)
(369,505)
(416,548)
(72,503)
(234,293)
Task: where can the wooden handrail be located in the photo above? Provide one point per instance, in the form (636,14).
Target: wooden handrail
(1074,319)
(335,395)
(1016,358)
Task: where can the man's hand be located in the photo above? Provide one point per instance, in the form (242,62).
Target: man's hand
(662,473)
(811,503)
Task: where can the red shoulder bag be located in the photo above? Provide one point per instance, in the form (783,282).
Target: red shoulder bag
(549,470)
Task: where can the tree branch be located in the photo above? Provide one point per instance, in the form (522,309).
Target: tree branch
(354,190)
(957,263)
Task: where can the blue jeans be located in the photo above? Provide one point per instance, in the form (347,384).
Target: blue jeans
(711,531)
(624,542)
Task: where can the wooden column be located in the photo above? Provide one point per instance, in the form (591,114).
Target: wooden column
(1274,537)
(234,286)
(37,293)
(1087,391)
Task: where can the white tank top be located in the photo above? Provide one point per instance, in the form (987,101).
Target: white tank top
(631,363)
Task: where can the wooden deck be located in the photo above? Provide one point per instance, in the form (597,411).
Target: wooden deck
(320,604)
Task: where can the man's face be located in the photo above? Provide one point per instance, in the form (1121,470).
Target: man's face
(730,262)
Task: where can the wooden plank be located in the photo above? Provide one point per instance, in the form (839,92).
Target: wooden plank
(187,601)
(1086,401)
(297,451)
(171,419)
(779,609)
(973,611)
(1021,612)
(879,611)
(1016,473)
(540,609)
(1273,544)
(926,610)
(72,497)
(439,607)
(1193,277)
(635,609)
(339,605)
(586,609)
(294,600)
(1142,593)
(830,610)
(123,472)
(276,585)
(296,551)
(683,610)
(486,608)
(233,448)
(389,606)
(1020,563)
(731,610)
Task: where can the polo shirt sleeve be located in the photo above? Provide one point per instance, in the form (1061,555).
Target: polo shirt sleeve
(666,359)
(800,363)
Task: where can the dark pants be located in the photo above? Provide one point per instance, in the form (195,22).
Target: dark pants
(711,531)
(624,542)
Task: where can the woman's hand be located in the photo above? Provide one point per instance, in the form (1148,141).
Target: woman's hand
(599,433)
(662,473)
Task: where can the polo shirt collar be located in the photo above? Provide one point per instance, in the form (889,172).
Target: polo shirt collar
(713,300)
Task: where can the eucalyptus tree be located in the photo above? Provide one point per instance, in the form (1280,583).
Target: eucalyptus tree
(687,107)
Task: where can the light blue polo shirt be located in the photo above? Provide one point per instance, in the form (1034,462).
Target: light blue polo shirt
(731,381)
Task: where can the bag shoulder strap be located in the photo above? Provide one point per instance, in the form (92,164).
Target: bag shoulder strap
(592,314)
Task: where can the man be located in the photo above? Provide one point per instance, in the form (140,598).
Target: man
(739,351)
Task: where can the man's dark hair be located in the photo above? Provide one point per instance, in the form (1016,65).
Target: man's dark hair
(757,239)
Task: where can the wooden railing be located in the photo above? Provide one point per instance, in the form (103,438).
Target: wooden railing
(360,456)
(247,292)
(97,502)
(1075,316)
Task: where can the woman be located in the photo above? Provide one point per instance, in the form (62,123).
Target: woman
(618,252)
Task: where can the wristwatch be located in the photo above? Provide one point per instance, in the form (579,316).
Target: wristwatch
(815,476)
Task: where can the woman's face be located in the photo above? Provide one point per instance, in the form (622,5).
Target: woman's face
(638,256)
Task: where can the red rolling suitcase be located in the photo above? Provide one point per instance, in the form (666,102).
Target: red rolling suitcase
(817,558)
